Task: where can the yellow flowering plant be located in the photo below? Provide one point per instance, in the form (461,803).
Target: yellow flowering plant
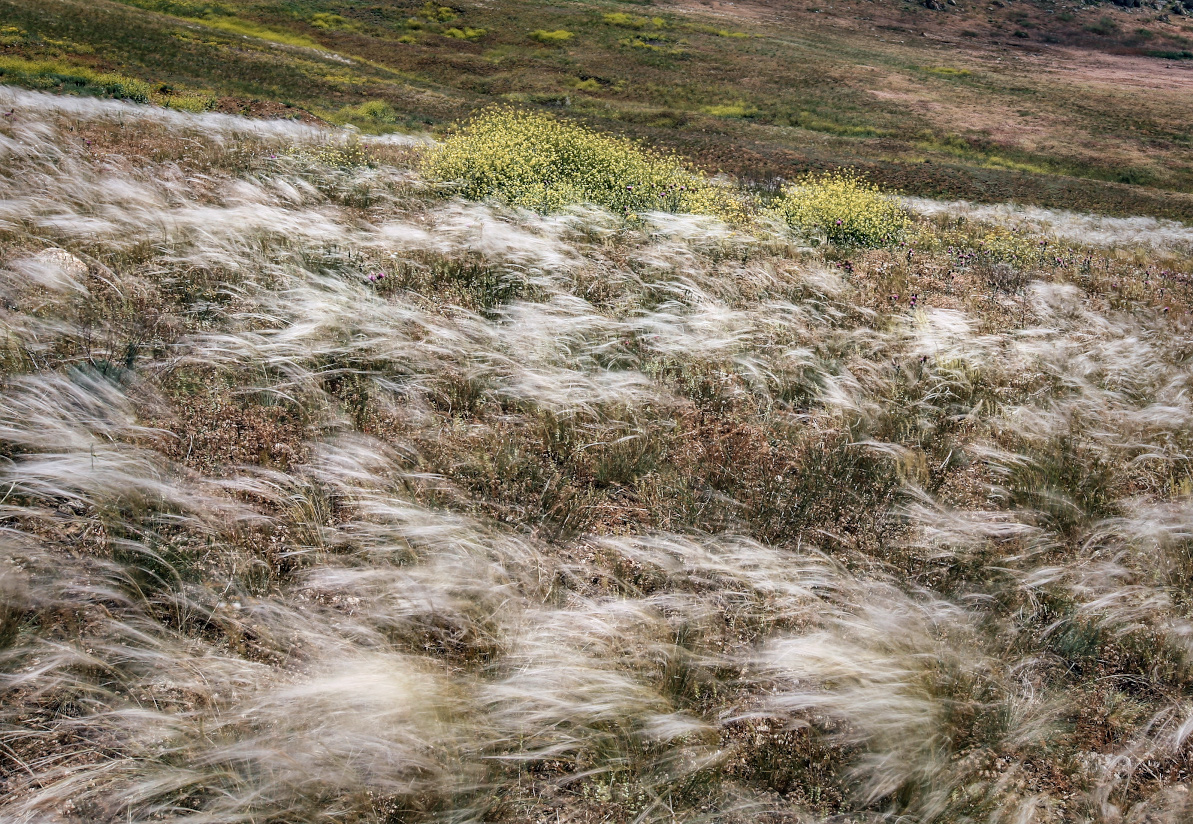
(845,208)
(535,161)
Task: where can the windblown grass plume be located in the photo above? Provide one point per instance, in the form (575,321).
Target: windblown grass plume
(330,496)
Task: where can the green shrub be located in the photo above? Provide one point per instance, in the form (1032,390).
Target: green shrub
(947,71)
(368,113)
(123,88)
(247,28)
(995,244)
(466,33)
(183,8)
(1170,54)
(1105,26)
(436,13)
(333,22)
(12,35)
(539,162)
(654,43)
(551,37)
(845,208)
(79,79)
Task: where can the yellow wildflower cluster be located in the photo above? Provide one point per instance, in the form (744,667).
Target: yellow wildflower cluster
(539,162)
(655,43)
(438,20)
(12,35)
(845,208)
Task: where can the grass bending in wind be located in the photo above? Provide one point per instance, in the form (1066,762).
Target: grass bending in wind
(330,498)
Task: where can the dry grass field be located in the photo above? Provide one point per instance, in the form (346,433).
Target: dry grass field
(328,496)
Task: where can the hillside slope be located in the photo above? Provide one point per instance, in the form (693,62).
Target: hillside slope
(330,498)
(1062,105)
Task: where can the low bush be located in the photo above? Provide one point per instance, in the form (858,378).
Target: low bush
(845,208)
(1105,26)
(370,114)
(56,76)
(247,28)
(1170,54)
(656,43)
(183,8)
(633,21)
(466,33)
(333,22)
(437,14)
(539,162)
(551,37)
(342,156)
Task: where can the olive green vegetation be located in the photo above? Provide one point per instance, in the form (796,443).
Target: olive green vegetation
(535,161)
(750,96)
(56,76)
(843,209)
(539,162)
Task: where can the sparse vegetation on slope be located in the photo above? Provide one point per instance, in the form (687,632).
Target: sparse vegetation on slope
(329,496)
(1061,118)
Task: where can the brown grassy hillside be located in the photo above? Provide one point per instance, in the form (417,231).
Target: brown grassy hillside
(329,497)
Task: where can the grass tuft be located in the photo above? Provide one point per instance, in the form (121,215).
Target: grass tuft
(552,36)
